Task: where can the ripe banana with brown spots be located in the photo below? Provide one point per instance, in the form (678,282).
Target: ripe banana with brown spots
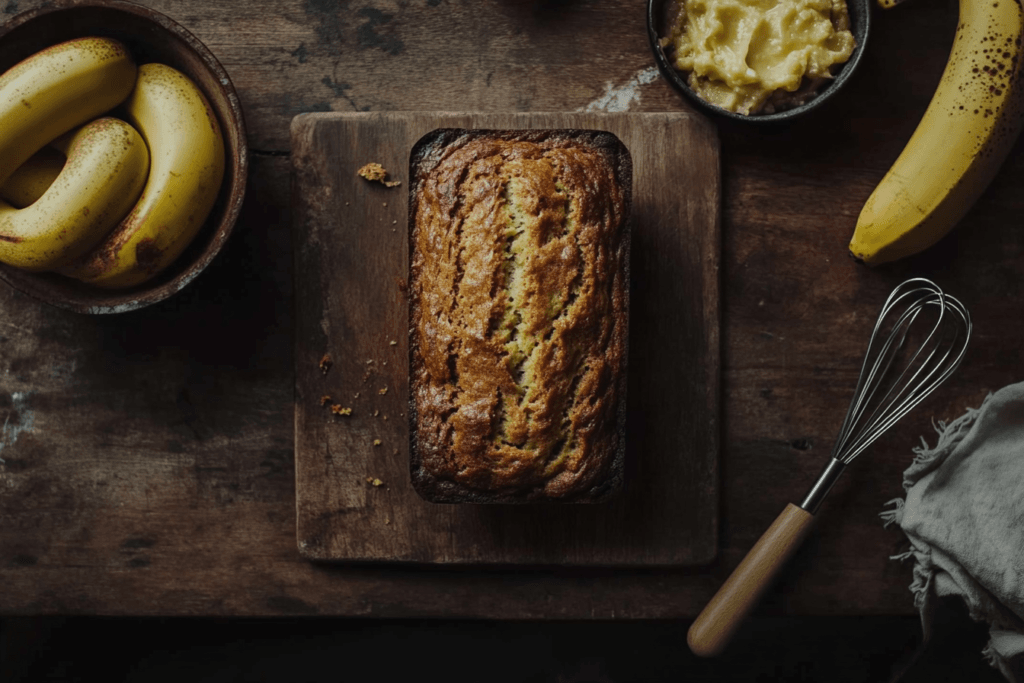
(106,168)
(966,132)
(186,169)
(57,89)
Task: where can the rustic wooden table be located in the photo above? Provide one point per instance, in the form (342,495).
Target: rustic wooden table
(147,458)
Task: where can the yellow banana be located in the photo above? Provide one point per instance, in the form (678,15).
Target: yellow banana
(186,168)
(959,145)
(106,168)
(53,91)
(33,178)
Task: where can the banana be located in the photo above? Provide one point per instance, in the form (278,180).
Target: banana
(60,88)
(33,178)
(106,168)
(186,168)
(966,132)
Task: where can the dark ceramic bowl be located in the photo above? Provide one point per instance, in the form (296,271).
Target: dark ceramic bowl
(151,37)
(659,16)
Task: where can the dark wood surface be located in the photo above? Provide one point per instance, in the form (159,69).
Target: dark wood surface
(355,501)
(149,460)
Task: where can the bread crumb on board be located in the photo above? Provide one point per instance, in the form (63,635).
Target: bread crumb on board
(376,442)
(325,399)
(374,481)
(374,172)
(338,409)
(326,363)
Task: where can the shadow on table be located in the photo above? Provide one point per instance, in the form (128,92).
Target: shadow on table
(833,649)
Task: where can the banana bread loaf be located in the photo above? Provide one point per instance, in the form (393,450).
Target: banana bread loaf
(519,302)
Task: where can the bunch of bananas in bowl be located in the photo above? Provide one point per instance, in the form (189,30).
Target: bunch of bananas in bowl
(108,169)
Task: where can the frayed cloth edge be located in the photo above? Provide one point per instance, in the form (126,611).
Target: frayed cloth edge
(922,581)
(998,662)
(950,434)
(923,571)
(895,515)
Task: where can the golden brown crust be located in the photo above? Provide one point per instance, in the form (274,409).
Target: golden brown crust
(518,314)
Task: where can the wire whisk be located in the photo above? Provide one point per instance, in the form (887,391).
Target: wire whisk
(938,355)
(918,341)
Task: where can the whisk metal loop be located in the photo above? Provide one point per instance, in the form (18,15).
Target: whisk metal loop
(935,359)
(941,327)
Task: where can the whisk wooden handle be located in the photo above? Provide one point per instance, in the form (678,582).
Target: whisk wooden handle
(715,626)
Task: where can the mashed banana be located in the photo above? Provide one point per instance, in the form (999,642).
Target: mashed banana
(759,56)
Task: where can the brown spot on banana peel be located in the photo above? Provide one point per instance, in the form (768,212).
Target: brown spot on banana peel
(104,257)
(105,49)
(148,254)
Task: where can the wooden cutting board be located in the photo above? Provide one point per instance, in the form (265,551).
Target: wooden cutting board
(353,493)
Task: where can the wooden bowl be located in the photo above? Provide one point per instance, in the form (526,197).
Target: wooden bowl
(151,37)
(659,16)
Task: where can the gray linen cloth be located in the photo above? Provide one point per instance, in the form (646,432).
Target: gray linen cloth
(964,517)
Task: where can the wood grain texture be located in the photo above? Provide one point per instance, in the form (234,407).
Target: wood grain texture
(149,458)
(351,266)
